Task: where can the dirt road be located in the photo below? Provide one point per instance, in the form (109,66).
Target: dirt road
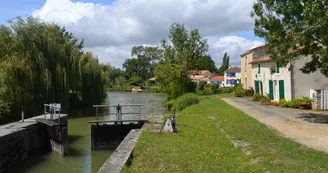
(306,127)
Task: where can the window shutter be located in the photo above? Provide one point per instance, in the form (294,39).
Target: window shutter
(271,89)
(261,85)
(281,89)
(278,68)
(258,68)
(256,83)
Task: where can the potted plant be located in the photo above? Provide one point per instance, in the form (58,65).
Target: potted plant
(305,103)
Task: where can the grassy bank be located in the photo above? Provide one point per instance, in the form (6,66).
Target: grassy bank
(203,144)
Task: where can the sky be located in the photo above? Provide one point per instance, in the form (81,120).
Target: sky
(110,28)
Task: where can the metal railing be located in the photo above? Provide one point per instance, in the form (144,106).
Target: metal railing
(52,109)
(119,109)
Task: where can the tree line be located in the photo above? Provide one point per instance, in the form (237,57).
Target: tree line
(170,62)
(41,63)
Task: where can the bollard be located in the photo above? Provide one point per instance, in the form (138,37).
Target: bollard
(22,116)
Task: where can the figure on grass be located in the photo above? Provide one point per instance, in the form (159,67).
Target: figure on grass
(170,124)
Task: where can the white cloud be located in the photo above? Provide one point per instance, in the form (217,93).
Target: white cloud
(111,30)
(233,45)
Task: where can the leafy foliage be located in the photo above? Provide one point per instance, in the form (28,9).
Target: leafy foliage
(184,101)
(42,63)
(293,29)
(239,92)
(249,92)
(185,53)
(225,64)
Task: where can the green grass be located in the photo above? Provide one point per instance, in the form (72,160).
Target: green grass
(202,145)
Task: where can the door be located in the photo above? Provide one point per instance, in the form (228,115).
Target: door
(261,87)
(256,84)
(281,89)
(271,90)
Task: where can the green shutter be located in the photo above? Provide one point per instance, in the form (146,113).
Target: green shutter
(258,68)
(278,68)
(281,89)
(271,89)
(261,87)
(256,83)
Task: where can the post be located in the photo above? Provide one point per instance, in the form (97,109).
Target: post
(45,111)
(22,115)
(97,113)
(59,116)
(139,112)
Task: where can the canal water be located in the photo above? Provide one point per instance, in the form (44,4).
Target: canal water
(81,159)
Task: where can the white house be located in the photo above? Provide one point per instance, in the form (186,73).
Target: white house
(231,76)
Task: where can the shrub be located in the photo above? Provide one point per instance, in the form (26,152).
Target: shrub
(265,99)
(184,101)
(208,91)
(249,92)
(283,103)
(239,92)
(256,97)
(201,85)
(274,103)
(294,103)
(225,90)
(214,87)
(305,101)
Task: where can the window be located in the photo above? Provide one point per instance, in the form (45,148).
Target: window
(258,68)
(277,68)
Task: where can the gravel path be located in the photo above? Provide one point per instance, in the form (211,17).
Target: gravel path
(305,126)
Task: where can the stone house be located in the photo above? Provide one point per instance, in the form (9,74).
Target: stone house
(200,75)
(267,78)
(231,77)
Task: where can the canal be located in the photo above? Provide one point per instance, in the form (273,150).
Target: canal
(81,159)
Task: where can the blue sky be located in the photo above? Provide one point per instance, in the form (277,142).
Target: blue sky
(111,29)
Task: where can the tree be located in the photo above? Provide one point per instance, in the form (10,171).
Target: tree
(43,63)
(185,53)
(293,29)
(225,64)
(143,62)
(206,63)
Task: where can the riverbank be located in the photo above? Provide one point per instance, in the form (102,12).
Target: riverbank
(216,137)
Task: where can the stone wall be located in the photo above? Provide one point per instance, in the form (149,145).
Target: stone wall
(18,140)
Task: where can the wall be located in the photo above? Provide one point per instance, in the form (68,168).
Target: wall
(265,75)
(304,82)
(237,76)
(246,71)
(19,140)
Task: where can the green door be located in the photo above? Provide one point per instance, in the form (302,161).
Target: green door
(271,90)
(256,83)
(261,87)
(281,89)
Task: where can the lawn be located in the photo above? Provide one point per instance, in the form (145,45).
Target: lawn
(203,144)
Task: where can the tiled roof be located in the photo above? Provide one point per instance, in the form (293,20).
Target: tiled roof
(217,78)
(198,72)
(251,50)
(264,59)
(233,69)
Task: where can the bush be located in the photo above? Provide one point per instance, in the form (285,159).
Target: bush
(208,91)
(184,101)
(265,99)
(274,103)
(256,97)
(249,92)
(283,103)
(214,87)
(225,90)
(239,92)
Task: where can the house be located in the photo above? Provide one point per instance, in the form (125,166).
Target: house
(231,76)
(200,75)
(217,79)
(267,78)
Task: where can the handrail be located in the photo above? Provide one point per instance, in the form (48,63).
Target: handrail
(117,105)
(119,112)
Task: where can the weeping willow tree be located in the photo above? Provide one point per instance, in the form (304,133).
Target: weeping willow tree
(42,63)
